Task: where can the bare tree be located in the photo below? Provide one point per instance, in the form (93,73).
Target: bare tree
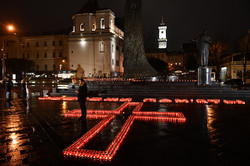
(217,50)
(244,52)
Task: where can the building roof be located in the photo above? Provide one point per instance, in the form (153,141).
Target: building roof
(155,50)
(90,6)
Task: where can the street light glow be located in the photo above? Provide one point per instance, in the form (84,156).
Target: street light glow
(10,28)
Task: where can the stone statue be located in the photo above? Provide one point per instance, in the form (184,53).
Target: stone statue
(203,42)
(79,72)
(135,61)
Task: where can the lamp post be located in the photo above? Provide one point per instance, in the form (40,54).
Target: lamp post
(9,28)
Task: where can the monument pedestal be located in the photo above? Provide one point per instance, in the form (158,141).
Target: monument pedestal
(204,75)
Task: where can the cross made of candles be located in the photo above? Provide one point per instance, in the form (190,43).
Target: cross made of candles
(77,148)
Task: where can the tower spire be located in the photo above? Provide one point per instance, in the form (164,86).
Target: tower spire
(162,22)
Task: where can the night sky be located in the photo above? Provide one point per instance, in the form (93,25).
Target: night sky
(185,18)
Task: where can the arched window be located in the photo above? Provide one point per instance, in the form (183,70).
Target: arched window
(248,74)
(102,23)
(239,74)
(93,27)
(82,27)
(112,24)
(54,67)
(102,47)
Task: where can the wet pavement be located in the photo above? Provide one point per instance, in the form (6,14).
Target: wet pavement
(36,133)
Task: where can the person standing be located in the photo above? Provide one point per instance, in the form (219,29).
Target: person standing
(23,88)
(8,86)
(81,97)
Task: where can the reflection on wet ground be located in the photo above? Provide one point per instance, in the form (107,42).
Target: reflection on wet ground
(36,133)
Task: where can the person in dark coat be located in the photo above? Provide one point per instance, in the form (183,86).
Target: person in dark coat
(23,88)
(8,86)
(81,96)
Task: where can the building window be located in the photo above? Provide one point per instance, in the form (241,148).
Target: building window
(37,44)
(45,67)
(45,44)
(117,63)
(82,27)
(54,67)
(112,48)
(28,45)
(45,55)
(54,54)
(60,54)
(112,23)
(60,43)
(102,23)
(37,55)
(112,62)
(23,44)
(102,47)
(53,43)
(93,27)
(23,56)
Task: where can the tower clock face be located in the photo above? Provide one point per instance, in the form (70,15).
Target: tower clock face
(162,34)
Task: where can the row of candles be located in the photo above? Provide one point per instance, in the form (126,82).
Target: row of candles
(76,149)
(109,99)
(76,113)
(153,100)
(199,101)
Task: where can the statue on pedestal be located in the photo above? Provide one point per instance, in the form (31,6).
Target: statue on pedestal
(203,43)
(204,71)
(79,72)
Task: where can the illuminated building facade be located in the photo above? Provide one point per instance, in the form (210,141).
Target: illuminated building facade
(96,43)
(232,65)
(49,53)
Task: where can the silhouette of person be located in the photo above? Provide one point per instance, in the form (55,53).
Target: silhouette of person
(81,97)
(23,88)
(8,86)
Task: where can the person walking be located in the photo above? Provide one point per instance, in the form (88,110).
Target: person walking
(81,97)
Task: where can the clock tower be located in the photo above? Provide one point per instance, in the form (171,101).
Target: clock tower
(162,40)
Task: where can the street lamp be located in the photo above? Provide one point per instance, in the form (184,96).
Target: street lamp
(10,28)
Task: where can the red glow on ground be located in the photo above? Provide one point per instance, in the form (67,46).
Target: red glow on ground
(233,102)
(181,101)
(153,100)
(77,148)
